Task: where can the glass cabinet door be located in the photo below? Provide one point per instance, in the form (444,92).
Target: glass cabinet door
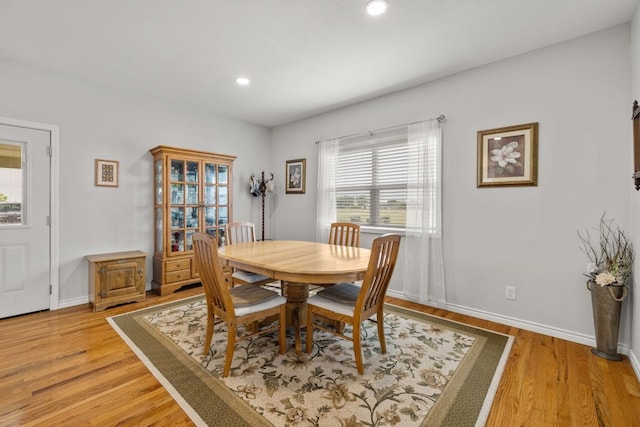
(158,184)
(216,200)
(178,210)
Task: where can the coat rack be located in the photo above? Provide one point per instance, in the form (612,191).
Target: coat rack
(259,187)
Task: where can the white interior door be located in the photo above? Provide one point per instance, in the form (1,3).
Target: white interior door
(25,209)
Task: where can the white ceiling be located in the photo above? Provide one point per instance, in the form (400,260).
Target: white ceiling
(304,57)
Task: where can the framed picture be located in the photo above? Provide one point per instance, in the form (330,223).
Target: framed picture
(635,116)
(508,156)
(296,176)
(106,173)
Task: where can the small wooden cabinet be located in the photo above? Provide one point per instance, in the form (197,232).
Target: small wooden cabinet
(192,193)
(116,278)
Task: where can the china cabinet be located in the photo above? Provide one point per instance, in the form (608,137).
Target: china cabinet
(192,193)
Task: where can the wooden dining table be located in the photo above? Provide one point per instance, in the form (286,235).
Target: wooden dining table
(298,264)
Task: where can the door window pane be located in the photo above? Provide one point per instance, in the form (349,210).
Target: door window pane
(223,217)
(222,195)
(158,230)
(177,194)
(159,182)
(11,183)
(222,174)
(210,173)
(192,172)
(210,216)
(177,217)
(177,170)
(192,217)
(210,195)
(192,194)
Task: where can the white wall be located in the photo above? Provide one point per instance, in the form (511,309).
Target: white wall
(493,237)
(100,122)
(634,304)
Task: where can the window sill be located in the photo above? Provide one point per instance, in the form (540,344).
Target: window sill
(381,230)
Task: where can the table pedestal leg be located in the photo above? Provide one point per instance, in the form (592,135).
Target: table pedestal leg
(296,294)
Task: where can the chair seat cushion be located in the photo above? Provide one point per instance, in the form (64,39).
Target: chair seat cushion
(249,277)
(264,305)
(246,295)
(345,293)
(331,305)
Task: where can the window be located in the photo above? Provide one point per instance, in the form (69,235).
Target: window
(384,180)
(371,180)
(11,183)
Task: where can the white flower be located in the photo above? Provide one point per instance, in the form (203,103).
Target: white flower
(605,278)
(592,268)
(505,154)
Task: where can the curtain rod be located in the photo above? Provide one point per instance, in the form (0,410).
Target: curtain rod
(440,119)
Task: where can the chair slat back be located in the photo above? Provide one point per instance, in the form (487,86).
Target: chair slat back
(384,252)
(344,234)
(210,270)
(240,232)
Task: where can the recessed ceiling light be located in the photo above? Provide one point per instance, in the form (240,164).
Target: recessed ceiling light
(376,7)
(243,81)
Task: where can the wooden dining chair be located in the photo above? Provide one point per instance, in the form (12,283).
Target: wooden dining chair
(242,232)
(353,304)
(344,234)
(244,305)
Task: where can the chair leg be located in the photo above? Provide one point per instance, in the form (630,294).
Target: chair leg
(357,347)
(309,331)
(211,318)
(383,344)
(283,329)
(231,344)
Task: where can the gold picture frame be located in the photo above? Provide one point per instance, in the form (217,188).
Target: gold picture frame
(106,173)
(635,116)
(296,171)
(508,156)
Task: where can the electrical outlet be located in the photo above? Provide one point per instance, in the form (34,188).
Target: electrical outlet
(510,292)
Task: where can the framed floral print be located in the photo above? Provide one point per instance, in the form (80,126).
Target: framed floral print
(508,156)
(296,180)
(106,173)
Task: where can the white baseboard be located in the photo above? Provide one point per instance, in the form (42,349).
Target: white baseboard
(527,325)
(635,363)
(73,302)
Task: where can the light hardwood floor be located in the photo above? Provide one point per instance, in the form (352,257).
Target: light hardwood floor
(69,367)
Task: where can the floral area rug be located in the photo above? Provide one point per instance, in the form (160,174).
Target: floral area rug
(435,372)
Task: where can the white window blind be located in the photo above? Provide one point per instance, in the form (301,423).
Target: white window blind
(371,180)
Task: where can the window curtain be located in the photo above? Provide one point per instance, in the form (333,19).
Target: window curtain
(326,208)
(424,266)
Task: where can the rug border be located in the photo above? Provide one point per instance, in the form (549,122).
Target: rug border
(436,415)
(245,415)
(191,413)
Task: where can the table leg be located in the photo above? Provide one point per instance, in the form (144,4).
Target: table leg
(296,294)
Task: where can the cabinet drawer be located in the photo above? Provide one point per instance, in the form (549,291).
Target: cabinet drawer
(176,276)
(179,264)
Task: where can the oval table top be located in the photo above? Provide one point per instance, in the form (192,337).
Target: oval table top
(299,261)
